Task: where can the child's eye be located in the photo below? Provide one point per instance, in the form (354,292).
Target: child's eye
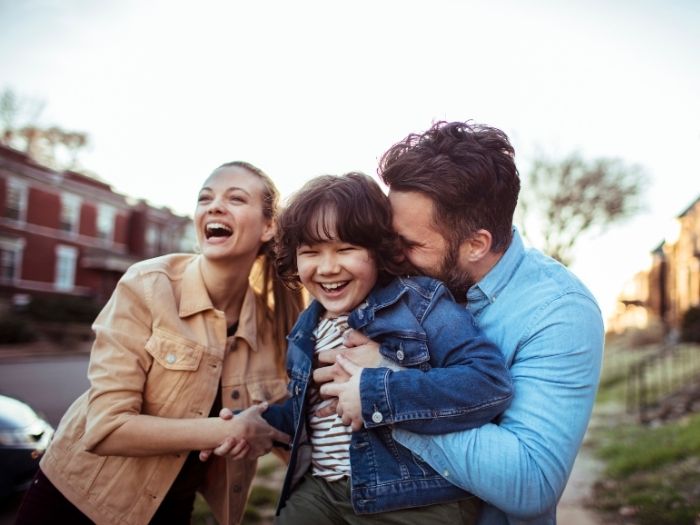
(203,198)
(348,248)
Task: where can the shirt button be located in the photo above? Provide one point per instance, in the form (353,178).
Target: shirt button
(170,358)
(445,473)
(235,394)
(377,417)
(296,390)
(400,355)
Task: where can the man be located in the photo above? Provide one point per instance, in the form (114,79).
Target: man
(453,191)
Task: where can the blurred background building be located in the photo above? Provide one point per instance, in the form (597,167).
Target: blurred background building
(660,296)
(64,233)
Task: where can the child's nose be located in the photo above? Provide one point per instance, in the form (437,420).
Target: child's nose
(328,265)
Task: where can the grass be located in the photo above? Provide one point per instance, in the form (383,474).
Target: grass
(652,475)
(262,500)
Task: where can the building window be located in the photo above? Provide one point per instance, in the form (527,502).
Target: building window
(66,259)
(105,222)
(15,200)
(152,239)
(70,212)
(10,259)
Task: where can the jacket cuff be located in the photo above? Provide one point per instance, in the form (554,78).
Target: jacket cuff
(376,409)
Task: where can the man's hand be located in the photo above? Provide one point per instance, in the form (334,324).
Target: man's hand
(348,393)
(357,347)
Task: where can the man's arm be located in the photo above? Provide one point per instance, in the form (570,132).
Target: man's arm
(521,464)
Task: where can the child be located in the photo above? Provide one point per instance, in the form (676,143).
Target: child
(335,238)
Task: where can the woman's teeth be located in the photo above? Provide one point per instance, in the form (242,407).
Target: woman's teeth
(217,229)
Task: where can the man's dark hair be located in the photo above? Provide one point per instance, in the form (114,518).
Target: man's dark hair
(468,171)
(350,208)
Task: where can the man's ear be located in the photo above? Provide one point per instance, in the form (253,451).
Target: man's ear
(476,247)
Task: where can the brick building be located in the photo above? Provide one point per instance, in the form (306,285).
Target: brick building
(670,285)
(70,234)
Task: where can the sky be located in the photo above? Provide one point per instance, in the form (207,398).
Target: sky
(167,90)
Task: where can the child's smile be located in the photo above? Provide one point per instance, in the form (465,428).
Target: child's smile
(338,274)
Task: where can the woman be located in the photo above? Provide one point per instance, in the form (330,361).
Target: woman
(182,336)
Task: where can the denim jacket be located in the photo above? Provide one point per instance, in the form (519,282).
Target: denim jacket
(454,379)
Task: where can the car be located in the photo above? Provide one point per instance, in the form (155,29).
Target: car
(23,438)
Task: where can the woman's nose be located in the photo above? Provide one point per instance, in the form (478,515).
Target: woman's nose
(215,206)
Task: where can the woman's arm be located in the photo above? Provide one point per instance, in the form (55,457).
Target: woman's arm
(144,435)
(118,373)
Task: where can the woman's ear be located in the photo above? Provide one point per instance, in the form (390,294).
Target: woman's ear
(268,232)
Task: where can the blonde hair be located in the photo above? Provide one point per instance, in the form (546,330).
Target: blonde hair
(277,304)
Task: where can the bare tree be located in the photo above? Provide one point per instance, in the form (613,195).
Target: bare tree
(49,145)
(563,199)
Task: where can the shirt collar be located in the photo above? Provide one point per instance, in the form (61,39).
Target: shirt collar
(492,284)
(194,299)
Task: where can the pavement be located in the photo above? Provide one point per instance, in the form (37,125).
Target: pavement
(40,349)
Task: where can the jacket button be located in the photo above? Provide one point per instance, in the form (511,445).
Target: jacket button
(235,394)
(377,417)
(236,488)
(399,355)
(170,359)
(296,390)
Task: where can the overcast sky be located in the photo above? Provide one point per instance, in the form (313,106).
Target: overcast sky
(168,90)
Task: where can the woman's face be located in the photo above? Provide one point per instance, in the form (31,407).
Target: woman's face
(229,219)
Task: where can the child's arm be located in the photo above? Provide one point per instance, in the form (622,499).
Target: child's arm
(281,416)
(467,387)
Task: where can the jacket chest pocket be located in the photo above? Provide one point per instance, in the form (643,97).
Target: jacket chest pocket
(175,363)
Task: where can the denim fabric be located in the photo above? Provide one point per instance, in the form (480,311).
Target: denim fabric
(549,328)
(454,379)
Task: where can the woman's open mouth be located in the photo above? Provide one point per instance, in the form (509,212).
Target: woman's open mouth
(217,229)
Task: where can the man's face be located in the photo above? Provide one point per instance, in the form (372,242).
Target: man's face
(424,245)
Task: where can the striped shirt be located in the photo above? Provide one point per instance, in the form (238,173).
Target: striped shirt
(330,438)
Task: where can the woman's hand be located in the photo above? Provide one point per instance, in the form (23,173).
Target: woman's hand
(250,435)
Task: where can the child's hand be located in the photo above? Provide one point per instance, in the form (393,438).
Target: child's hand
(349,403)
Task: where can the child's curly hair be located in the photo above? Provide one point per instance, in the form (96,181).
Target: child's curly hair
(351,208)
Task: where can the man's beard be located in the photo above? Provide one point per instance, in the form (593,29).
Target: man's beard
(457,280)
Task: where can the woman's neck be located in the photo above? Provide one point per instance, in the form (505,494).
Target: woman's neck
(227,285)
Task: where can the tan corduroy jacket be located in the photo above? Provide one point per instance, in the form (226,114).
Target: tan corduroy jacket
(160,349)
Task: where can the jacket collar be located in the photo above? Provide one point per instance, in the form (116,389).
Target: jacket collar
(194,299)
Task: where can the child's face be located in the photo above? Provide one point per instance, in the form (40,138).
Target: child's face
(338,274)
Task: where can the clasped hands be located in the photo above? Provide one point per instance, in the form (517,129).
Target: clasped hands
(338,376)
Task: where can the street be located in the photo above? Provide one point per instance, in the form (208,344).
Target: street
(49,384)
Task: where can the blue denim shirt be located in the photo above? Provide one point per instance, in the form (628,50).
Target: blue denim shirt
(550,330)
(454,379)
